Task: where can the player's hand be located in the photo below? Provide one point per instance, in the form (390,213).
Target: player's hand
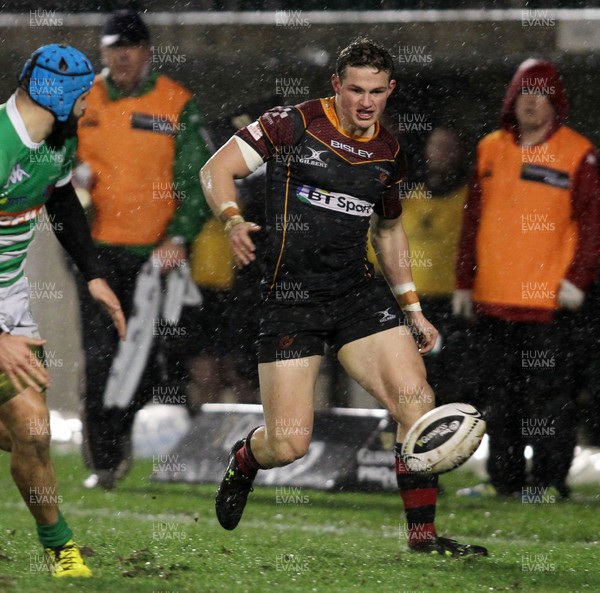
(242,246)
(169,255)
(21,365)
(462,303)
(424,333)
(103,293)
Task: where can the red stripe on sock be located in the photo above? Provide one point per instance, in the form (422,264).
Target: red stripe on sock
(246,461)
(419,497)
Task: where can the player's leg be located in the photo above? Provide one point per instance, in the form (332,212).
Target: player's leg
(501,381)
(290,348)
(388,365)
(99,342)
(287,393)
(203,348)
(25,423)
(107,437)
(550,398)
(25,432)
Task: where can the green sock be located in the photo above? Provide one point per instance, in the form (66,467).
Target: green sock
(56,535)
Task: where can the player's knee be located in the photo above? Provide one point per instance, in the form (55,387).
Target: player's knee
(32,437)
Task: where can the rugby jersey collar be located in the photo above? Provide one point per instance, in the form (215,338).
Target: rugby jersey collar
(19,125)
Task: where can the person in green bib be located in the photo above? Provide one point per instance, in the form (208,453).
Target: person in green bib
(38,133)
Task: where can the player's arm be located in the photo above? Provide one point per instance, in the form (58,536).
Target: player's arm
(393,254)
(235,160)
(466,257)
(72,231)
(585,208)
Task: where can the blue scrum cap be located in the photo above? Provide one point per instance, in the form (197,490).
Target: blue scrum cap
(55,76)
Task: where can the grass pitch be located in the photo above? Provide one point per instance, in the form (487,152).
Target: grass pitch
(164,538)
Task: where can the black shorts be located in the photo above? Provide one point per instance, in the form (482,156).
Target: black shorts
(303,329)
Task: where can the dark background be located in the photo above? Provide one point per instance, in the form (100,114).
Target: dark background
(230,64)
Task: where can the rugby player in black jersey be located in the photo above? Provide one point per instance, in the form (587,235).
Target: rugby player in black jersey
(333,171)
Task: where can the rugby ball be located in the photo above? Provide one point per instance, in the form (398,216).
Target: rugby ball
(443,439)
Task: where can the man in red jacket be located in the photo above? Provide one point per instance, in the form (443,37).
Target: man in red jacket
(528,252)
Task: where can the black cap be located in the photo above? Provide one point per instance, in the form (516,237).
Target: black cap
(124,27)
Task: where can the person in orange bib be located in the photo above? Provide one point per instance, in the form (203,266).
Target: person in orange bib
(527,254)
(140,151)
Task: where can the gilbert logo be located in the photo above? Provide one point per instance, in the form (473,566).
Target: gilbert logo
(386,315)
(314,158)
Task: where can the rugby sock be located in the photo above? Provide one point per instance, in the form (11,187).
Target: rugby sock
(419,494)
(55,535)
(245,458)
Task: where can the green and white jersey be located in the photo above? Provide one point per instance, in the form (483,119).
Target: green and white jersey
(29,172)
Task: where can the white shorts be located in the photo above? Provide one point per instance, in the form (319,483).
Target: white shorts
(15,314)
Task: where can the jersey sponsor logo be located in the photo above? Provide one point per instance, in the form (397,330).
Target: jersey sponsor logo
(16,175)
(335,201)
(349,148)
(20,217)
(386,315)
(314,158)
